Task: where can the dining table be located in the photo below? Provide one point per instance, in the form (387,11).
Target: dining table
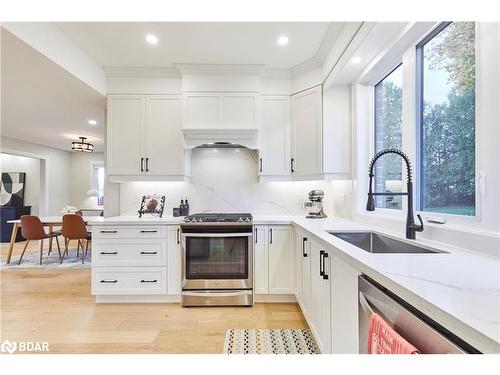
(47,221)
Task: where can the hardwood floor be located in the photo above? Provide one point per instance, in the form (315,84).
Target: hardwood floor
(56,306)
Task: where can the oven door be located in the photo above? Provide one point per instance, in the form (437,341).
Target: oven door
(217,260)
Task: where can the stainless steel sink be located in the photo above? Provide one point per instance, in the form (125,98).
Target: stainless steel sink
(378,243)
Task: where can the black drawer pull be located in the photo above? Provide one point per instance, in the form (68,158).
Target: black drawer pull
(109,281)
(149,281)
(149,231)
(304,240)
(149,252)
(321,264)
(325,276)
(178,236)
(109,252)
(109,231)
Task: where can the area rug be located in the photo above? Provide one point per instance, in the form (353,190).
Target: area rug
(32,260)
(269,341)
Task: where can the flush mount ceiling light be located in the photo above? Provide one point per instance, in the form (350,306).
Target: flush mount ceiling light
(82,146)
(356,60)
(283,40)
(92,122)
(151,39)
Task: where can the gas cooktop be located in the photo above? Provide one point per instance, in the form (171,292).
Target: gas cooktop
(219,218)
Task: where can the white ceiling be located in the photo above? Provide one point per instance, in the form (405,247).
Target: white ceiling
(122,44)
(43,103)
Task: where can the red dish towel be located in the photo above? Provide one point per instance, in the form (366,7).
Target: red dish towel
(383,339)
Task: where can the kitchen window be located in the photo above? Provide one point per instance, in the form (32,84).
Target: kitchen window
(446,109)
(388,121)
(98,175)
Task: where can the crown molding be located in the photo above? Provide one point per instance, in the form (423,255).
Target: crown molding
(221,69)
(132,71)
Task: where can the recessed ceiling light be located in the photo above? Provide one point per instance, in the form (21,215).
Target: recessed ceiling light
(92,122)
(283,40)
(151,39)
(356,60)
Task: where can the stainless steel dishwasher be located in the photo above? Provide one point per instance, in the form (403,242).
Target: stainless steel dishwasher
(419,330)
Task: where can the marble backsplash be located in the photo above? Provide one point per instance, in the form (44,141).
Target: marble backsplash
(226,180)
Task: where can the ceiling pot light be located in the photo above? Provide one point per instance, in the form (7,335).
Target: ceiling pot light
(151,39)
(92,122)
(82,146)
(356,60)
(283,40)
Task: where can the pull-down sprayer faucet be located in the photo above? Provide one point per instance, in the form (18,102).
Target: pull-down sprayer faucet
(411,227)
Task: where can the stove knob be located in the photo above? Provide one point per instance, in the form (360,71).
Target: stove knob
(240,219)
(247,219)
(200,220)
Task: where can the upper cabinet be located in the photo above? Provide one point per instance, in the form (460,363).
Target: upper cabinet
(144,138)
(220,110)
(274,136)
(307,128)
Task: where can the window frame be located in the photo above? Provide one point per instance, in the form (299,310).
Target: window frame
(94,183)
(374,128)
(419,123)
(403,49)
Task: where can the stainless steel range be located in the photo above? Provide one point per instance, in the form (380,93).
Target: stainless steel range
(217,260)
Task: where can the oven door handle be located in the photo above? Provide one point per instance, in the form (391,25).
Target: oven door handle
(220,235)
(216,294)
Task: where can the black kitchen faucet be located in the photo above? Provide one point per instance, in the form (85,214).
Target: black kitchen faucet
(411,227)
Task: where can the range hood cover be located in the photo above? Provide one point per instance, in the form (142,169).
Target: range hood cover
(221,138)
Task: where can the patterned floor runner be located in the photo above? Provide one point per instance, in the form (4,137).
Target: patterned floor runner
(269,341)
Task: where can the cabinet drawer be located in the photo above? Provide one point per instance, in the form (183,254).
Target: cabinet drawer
(132,252)
(144,231)
(129,280)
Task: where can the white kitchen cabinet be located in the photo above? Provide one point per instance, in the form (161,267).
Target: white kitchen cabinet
(303,272)
(217,110)
(261,253)
(320,297)
(306,132)
(174,260)
(164,146)
(125,135)
(144,136)
(274,259)
(274,135)
(344,308)
(281,260)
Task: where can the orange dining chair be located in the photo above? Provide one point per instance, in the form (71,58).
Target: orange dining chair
(73,228)
(32,229)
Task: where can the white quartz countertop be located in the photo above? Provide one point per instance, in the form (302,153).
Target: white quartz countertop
(459,289)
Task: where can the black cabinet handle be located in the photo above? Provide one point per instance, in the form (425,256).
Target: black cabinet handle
(178,236)
(292,167)
(109,281)
(325,276)
(109,231)
(149,281)
(109,252)
(149,231)
(149,252)
(321,254)
(147,164)
(260,163)
(142,164)
(256,234)
(270,235)
(304,240)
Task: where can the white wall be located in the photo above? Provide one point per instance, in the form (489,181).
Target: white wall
(226,181)
(30,166)
(81,178)
(58,167)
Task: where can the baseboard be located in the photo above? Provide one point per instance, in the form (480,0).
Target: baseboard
(139,298)
(273,298)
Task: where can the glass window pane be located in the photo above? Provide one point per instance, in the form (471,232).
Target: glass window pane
(447,156)
(388,108)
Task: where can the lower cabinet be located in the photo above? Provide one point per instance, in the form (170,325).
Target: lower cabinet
(320,304)
(274,259)
(136,260)
(344,308)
